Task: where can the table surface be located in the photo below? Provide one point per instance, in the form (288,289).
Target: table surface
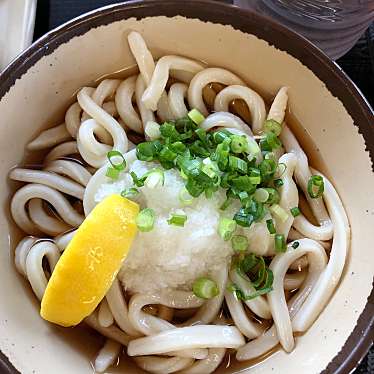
(358,64)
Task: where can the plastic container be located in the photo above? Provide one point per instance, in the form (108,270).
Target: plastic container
(333,25)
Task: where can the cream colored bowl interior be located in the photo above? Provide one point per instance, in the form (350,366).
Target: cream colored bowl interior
(40,97)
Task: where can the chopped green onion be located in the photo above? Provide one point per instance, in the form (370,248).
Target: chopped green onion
(112,156)
(269,156)
(202,135)
(194,188)
(281,168)
(146,219)
(167,154)
(221,135)
(237,164)
(278,183)
(239,243)
(273,126)
(112,173)
(270,226)
(280,243)
(253,147)
(177,220)
(221,154)
(199,149)
(274,197)
(295,211)
(273,141)
(154,178)
(139,182)
(278,211)
(243,183)
(196,116)
(261,195)
(178,147)
(168,131)
(205,288)
(316,186)
(130,192)
(255,209)
(295,245)
(226,204)
(226,227)
(239,144)
(147,151)
(267,169)
(184,197)
(253,270)
(243,219)
(210,168)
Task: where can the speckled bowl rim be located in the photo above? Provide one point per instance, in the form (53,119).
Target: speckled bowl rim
(360,340)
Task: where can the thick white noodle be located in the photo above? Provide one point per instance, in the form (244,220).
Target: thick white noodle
(210,309)
(164,111)
(104,90)
(49,179)
(142,55)
(177,95)
(62,150)
(146,65)
(49,138)
(160,77)
(107,355)
(202,79)
(278,107)
(226,120)
(73,118)
(118,307)
(64,239)
(44,220)
(145,114)
(277,301)
(124,97)
(258,305)
(91,150)
(160,365)
(111,332)
(71,169)
(303,174)
(149,325)
(289,195)
(294,281)
(21,252)
(104,315)
(34,265)
(207,365)
(253,100)
(269,339)
(330,277)
(120,142)
(192,337)
(110,108)
(247,327)
(55,198)
(307,229)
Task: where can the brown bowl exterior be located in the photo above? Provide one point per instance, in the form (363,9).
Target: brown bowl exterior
(36,88)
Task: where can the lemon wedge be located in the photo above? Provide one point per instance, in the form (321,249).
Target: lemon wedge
(91,261)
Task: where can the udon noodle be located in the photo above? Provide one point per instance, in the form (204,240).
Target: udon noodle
(170,329)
